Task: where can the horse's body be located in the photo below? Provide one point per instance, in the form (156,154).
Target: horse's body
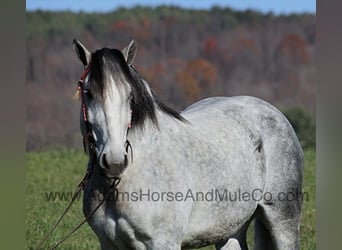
(239,146)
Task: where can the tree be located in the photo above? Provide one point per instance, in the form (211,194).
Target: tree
(293,50)
(198,74)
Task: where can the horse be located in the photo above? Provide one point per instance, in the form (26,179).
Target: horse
(187,179)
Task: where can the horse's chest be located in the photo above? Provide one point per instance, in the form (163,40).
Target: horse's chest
(100,222)
(112,230)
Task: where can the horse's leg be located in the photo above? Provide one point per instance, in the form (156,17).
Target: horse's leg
(262,238)
(108,246)
(232,244)
(241,236)
(283,229)
(238,242)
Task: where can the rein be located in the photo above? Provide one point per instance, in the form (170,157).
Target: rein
(88,146)
(111,191)
(80,187)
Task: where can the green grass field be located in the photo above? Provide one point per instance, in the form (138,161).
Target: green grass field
(60,171)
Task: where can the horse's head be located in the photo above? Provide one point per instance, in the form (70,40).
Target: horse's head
(107,99)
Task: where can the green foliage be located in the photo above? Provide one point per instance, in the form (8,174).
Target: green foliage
(60,171)
(303,124)
(308,221)
(47,23)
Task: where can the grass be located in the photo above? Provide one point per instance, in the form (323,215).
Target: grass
(308,222)
(60,171)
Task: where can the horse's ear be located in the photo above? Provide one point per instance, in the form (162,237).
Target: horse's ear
(130,52)
(82,52)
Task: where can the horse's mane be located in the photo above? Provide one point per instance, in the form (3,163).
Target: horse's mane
(144,101)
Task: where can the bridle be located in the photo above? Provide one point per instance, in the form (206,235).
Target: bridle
(88,138)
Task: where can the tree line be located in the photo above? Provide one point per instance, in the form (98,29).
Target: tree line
(185,54)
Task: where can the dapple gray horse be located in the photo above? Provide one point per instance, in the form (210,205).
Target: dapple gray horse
(197,177)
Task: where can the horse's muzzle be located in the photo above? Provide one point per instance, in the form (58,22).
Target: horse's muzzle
(110,168)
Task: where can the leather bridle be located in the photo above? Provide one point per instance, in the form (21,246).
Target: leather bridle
(88,138)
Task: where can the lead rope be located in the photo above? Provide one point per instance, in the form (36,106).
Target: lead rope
(111,190)
(79,188)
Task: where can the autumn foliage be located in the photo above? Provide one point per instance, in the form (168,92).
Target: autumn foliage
(197,75)
(185,55)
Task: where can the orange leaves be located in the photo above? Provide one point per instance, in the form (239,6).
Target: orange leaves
(196,75)
(203,71)
(210,46)
(294,49)
(189,85)
(152,74)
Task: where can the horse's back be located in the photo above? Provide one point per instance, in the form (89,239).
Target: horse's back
(248,110)
(257,115)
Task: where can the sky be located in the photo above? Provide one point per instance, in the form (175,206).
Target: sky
(276,6)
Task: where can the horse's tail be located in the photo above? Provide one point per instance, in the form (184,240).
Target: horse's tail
(262,237)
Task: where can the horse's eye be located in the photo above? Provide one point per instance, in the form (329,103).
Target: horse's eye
(88,94)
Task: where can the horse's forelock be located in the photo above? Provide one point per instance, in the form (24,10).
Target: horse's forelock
(111,61)
(106,62)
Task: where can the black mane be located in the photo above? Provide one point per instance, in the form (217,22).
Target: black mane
(143,104)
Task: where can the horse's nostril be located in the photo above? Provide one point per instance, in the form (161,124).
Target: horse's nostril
(104,161)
